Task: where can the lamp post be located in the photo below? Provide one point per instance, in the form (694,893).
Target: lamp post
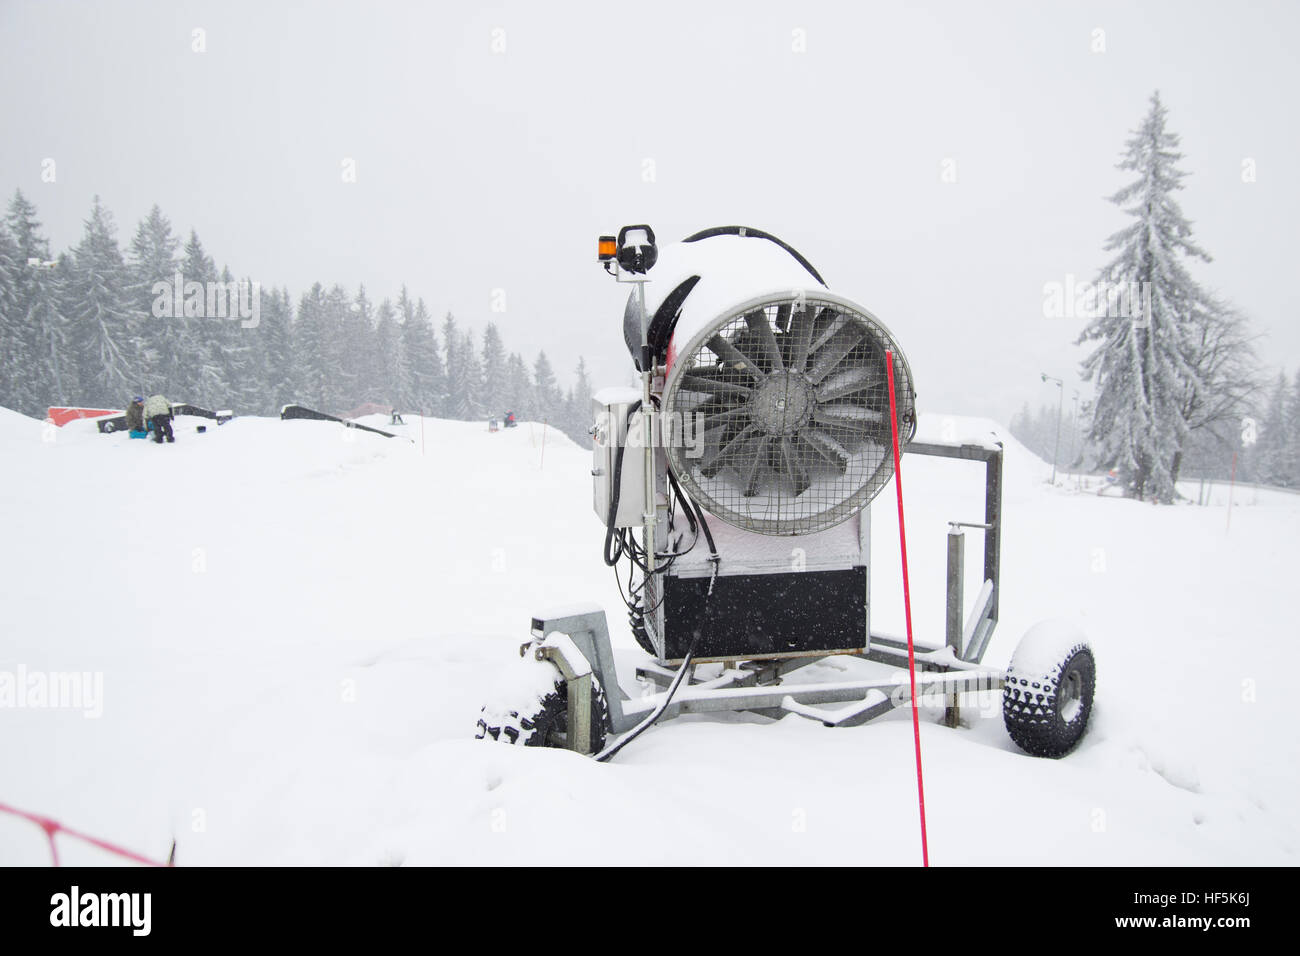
(1060,401)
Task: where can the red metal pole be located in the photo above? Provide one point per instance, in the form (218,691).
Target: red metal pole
(907,609)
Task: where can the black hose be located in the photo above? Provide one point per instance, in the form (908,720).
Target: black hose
(695,521)
(651,720)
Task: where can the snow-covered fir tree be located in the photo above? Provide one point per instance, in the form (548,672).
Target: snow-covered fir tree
(390,372)
(104,334)
(495,371)
(424,365)
(312,349)
(1145,359)
(169,354)
(37,362)
(546,397)
(1272,450)
(12,330)
(519,388)
(275,333)
(95,327)
(467,387)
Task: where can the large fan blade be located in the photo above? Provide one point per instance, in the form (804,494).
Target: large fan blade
(725,454)
(715,416)
(751,473)
(833,351)
(783,316)
(762,331)
(733,357)
(793,469)
(848,414)
(827,324)
(714,381)
(800,337)
(827,447)
(846,382)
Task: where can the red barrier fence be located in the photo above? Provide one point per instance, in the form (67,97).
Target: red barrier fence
(61,416)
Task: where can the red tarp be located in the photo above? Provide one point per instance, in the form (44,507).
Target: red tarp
(61,416)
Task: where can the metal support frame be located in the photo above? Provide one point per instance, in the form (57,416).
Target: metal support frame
(587,629)
(756,685)
(576,671)
(953,621)
(973,649)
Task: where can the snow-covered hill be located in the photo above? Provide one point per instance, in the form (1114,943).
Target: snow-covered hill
(296,624)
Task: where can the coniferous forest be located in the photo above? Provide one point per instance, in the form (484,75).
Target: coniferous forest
(93,325)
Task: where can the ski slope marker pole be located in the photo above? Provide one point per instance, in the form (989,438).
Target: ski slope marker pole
(907,608)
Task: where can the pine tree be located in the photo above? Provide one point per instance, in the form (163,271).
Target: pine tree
(242,358)
(469,387)
(276,337)
(392,371)
(495,371)
(1226,381)
(359,349)
(169,355)
(576,420)
(406,394)
(453,365)
(424,365)
(206,383)
(104,337)
(519,389)
(11,329)
(1271,451)
(36,364)
(546,392)
(311,349)
(1293,434)
(1145,361)
(340,387)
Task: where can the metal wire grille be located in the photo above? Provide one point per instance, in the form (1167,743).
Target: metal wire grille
(792,399)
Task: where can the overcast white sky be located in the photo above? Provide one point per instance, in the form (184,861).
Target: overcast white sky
(479,170)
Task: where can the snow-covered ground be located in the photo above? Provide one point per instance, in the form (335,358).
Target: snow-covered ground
(296,624)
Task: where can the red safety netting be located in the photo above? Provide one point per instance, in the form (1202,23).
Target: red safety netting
(53,827)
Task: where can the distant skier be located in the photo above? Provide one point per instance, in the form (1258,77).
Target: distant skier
(158,412)
(510,420)
(135,417)
(396,418)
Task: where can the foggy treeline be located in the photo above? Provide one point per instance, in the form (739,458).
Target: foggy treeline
(84,329)
(1267,447)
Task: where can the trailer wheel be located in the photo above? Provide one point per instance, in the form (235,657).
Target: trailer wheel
(545,722)
(1047,696)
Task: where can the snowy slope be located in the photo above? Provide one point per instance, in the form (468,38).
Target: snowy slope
(296,624)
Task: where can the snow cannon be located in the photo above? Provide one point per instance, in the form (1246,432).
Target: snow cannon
(773,422)
(736,482)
